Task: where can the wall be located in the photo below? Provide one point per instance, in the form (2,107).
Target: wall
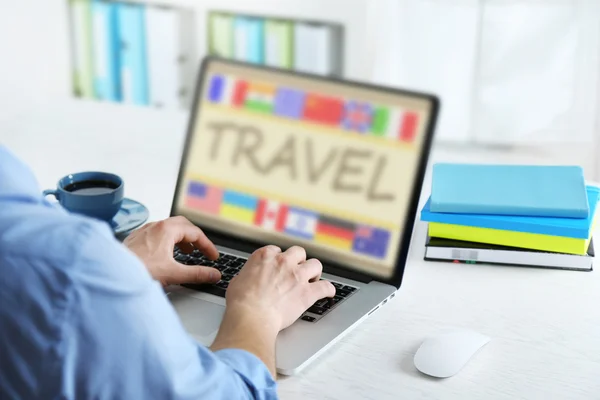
(519,71)
(34,55)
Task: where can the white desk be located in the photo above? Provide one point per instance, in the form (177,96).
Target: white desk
(545,324)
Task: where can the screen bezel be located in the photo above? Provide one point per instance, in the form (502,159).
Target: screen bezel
(247,245)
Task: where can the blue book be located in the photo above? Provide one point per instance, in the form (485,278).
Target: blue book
(256,42)
(529,190)
(580,228)
(248,40)
(133,68)
(105,50)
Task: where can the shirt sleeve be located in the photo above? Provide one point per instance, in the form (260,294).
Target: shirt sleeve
(124,339)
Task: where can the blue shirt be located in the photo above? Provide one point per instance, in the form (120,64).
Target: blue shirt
(81,317)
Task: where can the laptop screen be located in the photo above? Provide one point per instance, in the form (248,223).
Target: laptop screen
(284,159)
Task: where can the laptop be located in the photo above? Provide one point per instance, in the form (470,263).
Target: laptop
(278,157)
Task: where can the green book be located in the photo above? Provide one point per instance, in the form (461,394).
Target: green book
(279,44)
(82,51)
(220,35)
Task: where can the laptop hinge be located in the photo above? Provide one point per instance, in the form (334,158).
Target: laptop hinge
(344,273)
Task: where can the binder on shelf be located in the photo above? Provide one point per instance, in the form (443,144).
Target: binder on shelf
(187,59)
(279,43)
(249,39)
(317,49)
(220,33)
(170,57)
(106,54)
(133,65)
(81,45)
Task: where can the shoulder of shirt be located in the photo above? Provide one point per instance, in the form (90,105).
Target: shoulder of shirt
(32,227)
(37,230)
(80,249)
(32,230)
(16,177)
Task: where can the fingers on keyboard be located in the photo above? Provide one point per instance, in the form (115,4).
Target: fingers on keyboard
(230,266)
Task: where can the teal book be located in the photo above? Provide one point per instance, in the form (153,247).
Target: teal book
(248,39)
(522,190)
(133,53)
(579,228)
(105,36)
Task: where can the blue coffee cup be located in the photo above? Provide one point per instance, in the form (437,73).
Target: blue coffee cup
(94,194)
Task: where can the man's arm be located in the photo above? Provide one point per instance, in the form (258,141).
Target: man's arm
(124,339)
(241,330)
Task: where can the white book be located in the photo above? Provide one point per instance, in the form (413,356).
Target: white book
(278,44)
(323,49)
(170,57)
(438,249)
(240,39)
(161,34)
(188,59)
(315,49)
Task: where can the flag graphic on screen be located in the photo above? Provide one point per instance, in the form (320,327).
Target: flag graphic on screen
(395,123)
(260,97)
(409,126)
(227,90)
(357,116)
(271,215)
(301,223)
(289,103)
(217,92)
(371,241)
(239,207)
(335,232)
(324,110)
(381,117)
(239,93)
(203,197)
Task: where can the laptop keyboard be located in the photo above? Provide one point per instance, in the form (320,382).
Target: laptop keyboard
(230,266)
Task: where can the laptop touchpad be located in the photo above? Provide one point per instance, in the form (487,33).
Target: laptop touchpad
(200,318)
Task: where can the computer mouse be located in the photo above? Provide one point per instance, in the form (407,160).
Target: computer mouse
(445,354)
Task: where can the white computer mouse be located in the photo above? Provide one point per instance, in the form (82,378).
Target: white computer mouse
(445,354)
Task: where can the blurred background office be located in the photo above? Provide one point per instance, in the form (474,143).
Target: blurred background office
(519,79)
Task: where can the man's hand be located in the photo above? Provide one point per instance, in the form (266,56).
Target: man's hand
(271,292)
(278,285)
(154,244)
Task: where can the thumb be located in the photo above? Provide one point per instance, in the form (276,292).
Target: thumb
(180,273)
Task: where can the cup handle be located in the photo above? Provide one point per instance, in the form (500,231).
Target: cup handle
(52,192)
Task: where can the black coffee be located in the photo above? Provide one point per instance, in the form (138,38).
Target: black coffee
(91,187)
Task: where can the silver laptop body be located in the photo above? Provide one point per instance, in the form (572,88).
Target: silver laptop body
(366,288)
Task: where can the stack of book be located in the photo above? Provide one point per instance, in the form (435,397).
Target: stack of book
(538,216)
